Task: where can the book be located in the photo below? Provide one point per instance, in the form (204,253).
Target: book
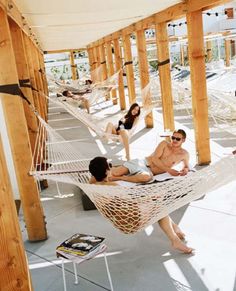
(80,259)
(80,244)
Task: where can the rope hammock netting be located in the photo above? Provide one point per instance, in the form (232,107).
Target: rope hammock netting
(130,209)
(98,124)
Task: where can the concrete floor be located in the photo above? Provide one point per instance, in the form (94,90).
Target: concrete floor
(143,261)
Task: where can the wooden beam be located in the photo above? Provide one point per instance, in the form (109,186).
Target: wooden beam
(14,268)
(65,50)
(227,52)
(29,58)
(18,138)
(118,62)
(23,74)
(91,63)
(110,69)
(39,82)
(181,54)
(129,68)
(171,13)
(209,50)
(144,73)
(73,66)
(165,75)
(198,84)
(103,61)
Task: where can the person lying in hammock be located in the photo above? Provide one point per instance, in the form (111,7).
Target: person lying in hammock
(76,97)
(125,124)
(165,156)
(100,170)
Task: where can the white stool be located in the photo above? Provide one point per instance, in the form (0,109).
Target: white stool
(80,261)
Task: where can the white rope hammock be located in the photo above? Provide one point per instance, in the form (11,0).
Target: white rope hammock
(98,124)
(130,209)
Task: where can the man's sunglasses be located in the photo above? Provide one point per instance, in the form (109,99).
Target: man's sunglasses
(176,138)
(110,165)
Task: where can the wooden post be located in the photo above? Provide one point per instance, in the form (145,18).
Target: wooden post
(103,61)
(227,52)
(198,84)
(96,65)
(129,68)
(43,72)
(118,62)
(164,74)
(103,64)
(91,62)
(29,59)
(23,74)
(110,69)
(209,50)
(144,74)
(181,54)
(100,76)
(39,82)
(73,66)
(18,138)
(14,269)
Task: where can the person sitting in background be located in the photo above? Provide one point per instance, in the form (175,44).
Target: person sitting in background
(125,124)
(76,97)
(100,171)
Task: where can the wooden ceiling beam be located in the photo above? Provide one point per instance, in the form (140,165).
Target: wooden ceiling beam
(174,12)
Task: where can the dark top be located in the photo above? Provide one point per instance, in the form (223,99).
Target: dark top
(125,125)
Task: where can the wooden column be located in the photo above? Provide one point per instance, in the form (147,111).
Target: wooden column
(43,72)
(73,66)
(99,77)
(29,59)
(110,69)
(44,79)
(129,68)
(181,54)
(23,74)
(209,50)
(91,62)
(18,138)
(96,65)
(14,268)
(164,75)
(144,74)
(103,61)
(198,84)
(118,62)
(39,82)
(227,52)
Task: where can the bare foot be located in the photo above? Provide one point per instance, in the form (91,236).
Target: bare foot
(180,246)
(178,231)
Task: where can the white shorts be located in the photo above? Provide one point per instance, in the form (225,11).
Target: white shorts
(137,166)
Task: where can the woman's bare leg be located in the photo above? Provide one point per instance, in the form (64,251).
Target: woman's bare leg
(166,225)
(125,140)
(177,230)
(110,129)
(87,105)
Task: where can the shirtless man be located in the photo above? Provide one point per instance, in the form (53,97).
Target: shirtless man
(100,170)
(160,161)
(76,97)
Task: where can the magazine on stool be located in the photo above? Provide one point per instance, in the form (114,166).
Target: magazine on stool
(81,247)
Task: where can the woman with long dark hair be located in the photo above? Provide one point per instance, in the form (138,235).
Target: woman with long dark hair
(125,124)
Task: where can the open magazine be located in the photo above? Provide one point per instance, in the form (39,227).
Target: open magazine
(81,245)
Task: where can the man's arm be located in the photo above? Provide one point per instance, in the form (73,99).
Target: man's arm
(185,169)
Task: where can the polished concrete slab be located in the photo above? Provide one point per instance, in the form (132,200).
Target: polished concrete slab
(145,260)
